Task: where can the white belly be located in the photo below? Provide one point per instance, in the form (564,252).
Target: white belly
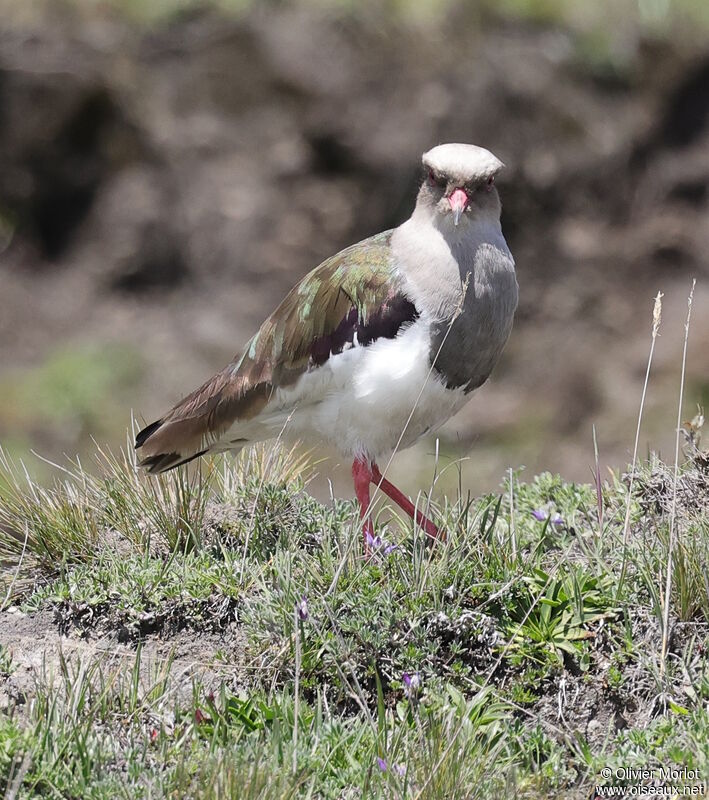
(365,401)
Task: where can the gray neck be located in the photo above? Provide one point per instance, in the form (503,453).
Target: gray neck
(462,280)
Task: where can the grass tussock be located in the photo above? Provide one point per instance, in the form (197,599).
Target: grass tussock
(507,659)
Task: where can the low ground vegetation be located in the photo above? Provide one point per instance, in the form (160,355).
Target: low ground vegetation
(220,633)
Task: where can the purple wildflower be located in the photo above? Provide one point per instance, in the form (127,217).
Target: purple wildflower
(373,542)
(302,608)
(382,764)
(377,543)
(412,683)
(400,770)
(542,514)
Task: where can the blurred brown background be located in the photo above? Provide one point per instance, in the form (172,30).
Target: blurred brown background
(169,169)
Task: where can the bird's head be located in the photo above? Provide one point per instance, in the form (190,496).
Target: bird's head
(459,183)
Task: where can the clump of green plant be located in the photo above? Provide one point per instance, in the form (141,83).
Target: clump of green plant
(6,666)
(552,614)
(42,527)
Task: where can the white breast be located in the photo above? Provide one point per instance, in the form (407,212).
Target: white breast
(364,401)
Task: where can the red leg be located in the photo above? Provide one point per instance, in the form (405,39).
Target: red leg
(403,501)
(362,475)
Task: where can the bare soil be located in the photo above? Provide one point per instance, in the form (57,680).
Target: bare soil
(38,646)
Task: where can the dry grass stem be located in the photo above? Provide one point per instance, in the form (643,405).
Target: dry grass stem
(656,320)
(673,508)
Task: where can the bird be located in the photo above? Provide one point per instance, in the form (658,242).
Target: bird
(376,347)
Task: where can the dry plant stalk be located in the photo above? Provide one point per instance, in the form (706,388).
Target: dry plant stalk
(296,688)
(656,320)
(513,531)
(673,508)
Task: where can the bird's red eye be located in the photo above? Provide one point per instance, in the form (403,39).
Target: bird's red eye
(431,177)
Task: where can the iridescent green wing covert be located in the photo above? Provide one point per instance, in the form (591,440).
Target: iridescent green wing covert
(350,300)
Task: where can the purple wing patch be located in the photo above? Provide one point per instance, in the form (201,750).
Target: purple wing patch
(352,331)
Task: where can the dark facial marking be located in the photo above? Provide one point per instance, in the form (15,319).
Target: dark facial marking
(436,180)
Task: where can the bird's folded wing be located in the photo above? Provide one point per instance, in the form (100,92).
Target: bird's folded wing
(350,300)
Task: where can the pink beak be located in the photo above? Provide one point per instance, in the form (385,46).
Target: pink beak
(459,202)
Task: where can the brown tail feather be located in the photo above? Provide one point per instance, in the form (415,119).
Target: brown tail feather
(166,445)
(167,461)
